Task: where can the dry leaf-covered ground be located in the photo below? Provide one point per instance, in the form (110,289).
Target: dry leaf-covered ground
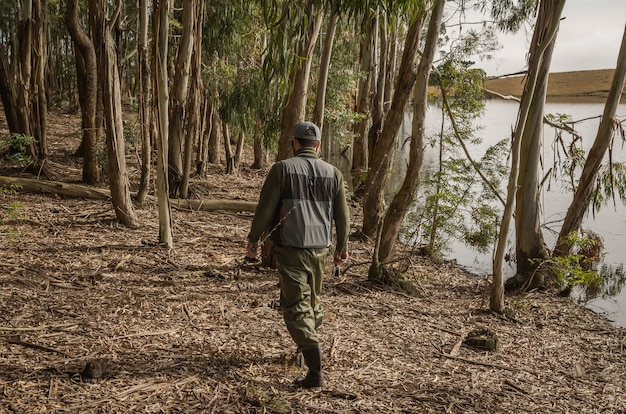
(192,330)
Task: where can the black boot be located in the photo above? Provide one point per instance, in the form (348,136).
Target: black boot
(314,378)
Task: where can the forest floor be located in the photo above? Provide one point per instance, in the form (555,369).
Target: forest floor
(194,330)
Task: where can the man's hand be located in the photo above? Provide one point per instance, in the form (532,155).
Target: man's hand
(340,258)
(252,250)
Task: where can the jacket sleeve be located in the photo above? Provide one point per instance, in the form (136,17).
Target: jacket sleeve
(269,201)
(341,214)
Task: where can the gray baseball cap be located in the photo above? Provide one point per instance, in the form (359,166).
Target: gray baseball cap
(307,130)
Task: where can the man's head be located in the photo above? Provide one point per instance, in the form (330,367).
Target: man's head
(307,134)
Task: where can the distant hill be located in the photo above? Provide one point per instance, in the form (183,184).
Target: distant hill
(584,86)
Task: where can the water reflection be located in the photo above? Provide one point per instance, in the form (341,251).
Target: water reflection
(498,123)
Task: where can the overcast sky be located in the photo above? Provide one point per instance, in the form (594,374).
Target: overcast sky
(589,37)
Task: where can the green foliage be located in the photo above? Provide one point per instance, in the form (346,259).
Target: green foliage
(510,15)
(268,400)
(578,267)
(569,160)
(12,211)
(458,204)
(610,185)
(17,148)
(249,97)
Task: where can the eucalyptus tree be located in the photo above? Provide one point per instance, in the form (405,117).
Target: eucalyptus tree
(87,90)
(108,76)
(403,200)
(603,141)
(238,98)
(22,76)
(160,36)
(300,30)
(193,122)
(377,177)
(145,97)
(179,94)
(322,78)
(523,183)
(8,63)
(367,68)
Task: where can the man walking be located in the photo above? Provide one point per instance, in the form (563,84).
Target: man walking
(300,199)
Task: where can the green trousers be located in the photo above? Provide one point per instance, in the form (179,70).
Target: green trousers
(301,272)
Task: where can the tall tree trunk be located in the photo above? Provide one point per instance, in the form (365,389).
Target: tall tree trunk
(322,79)
(544,42)
(363,102)
(25,39)
(530,245)
(88,92)
(8,91)
(294,109)
(604,138)
(31,98)
(392,64)
(145,102)
(192,120)
(260,155)
(202,157)
(378,89)
(110,83)
(160,35)
(228,149)
(373,201)
(180,91)
(214,138)
(239,148)
(404,198)
(39,101)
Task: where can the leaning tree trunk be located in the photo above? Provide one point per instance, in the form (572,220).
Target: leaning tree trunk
(294,109)
(88,92)
(111,93)
(582,196)
(160,35)
(180,91)
(373,201)
(145,102)
(404,198)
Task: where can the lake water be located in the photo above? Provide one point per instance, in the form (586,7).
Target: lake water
(497,122)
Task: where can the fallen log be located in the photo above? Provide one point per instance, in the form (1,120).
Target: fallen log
(210,205)
(55,187)
(83,191)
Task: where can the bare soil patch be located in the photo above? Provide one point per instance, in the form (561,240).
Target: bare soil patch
(194,330)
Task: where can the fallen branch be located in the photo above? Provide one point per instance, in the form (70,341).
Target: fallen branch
(37,328)
(83,191)
(561,126)
(36,346)
(138,334)
(487,364)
